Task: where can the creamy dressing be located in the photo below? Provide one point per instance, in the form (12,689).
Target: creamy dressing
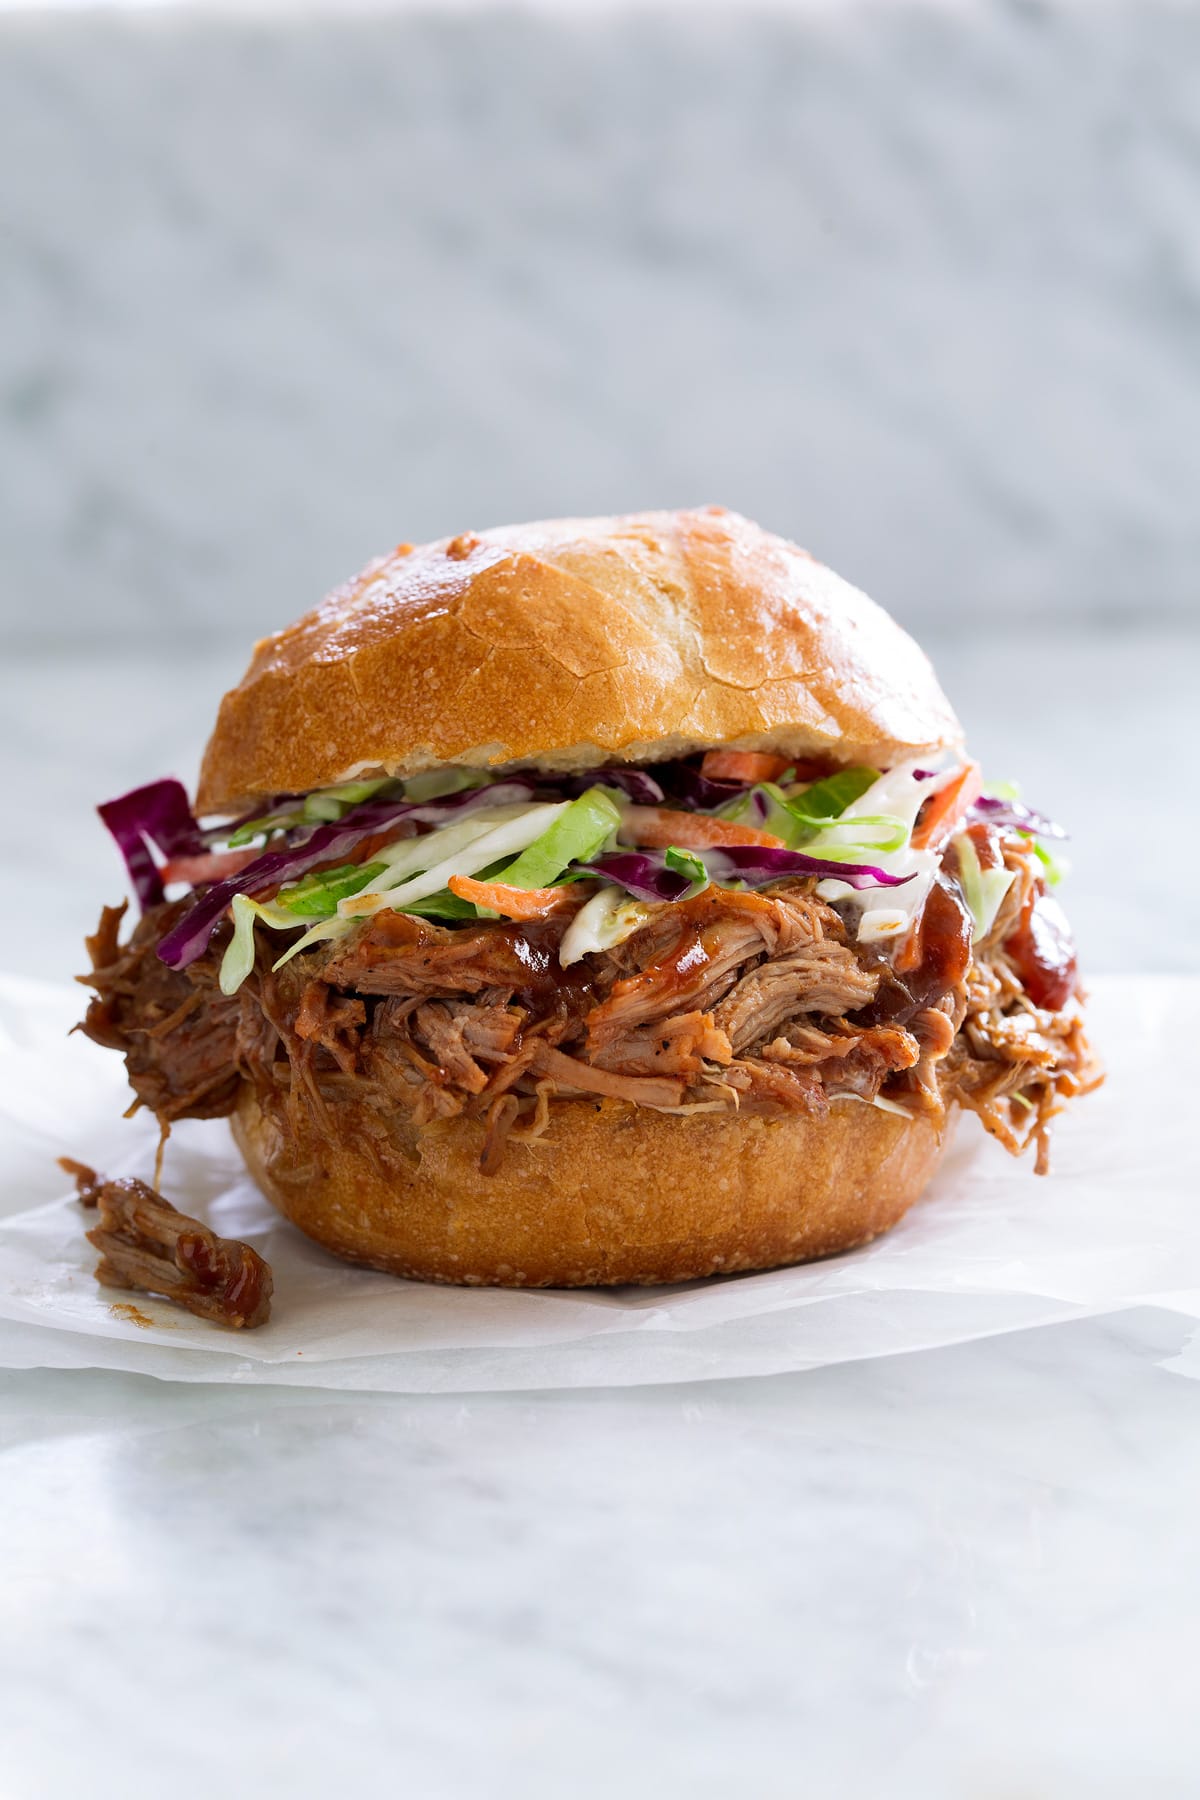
(901,794)
(881,923)
(605,921)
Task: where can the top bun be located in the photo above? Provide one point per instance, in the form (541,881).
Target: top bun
(569,644)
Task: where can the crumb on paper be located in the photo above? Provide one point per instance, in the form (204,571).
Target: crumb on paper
(125,1309)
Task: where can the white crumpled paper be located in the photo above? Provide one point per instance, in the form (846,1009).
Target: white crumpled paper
(991,1248)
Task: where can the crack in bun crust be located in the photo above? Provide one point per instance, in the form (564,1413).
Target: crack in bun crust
(571,643)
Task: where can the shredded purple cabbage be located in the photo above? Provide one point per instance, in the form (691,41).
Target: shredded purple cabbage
(1016,814)
(635,784)
(757,864)
(642,873)
(326,843)
(645,875)
(266,808)
(688,787)
(156,814)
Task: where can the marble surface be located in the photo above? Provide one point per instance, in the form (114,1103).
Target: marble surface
(966,1575)
(915,283)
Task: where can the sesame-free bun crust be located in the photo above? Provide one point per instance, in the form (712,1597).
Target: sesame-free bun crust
(571,643)
(611,1193)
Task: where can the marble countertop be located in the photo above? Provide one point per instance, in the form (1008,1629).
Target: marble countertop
(964,1575)
(966,1572)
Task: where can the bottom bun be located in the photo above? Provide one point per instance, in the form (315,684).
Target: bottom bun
(610,1193)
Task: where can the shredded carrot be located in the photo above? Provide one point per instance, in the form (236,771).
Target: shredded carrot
(743,765)
(941,813)
(513,902)
(716,900)
(659,827)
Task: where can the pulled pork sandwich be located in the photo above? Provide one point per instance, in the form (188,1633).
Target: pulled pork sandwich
(598,901)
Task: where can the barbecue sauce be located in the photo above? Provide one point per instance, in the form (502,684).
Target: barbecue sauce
(940,958)
(1042,951)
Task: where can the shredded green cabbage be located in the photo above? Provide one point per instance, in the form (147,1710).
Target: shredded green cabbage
(435,784)
(238,959)
(983,889)
(802,814)
(316,896)
(828,799)
(322,932)
(687,862)
(420,868)
(579,832)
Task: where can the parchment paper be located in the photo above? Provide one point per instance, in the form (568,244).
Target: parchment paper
(991,1248)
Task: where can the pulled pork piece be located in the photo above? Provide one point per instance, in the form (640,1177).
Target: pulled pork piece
(401,954)
(1014,1064)
(1021,1050)
(177,1029)
(821,977)
(144,1243)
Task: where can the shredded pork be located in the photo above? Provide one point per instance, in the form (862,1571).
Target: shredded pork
(758,1002)
(147,1245)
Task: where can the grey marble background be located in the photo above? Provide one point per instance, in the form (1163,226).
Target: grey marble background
(916,283)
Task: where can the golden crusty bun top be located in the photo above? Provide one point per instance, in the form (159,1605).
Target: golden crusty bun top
(572,643)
